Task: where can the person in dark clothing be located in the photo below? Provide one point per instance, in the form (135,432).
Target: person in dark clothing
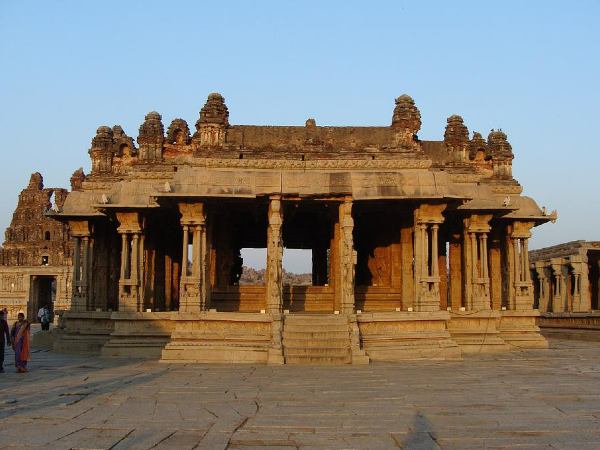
(4,332)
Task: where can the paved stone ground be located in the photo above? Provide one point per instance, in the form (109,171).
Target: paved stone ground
(535,399)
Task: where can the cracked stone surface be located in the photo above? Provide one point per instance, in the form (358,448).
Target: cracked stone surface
(531,399)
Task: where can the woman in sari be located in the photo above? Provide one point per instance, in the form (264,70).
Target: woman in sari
(20,343)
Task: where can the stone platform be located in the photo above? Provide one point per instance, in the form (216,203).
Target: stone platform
(534,399)
(234,337)
(570,325)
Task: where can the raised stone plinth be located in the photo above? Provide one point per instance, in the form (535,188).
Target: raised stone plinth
(397,336)
(83,332)
(139,334)
(519,329)
(220,337)
(477,331)
(568,325)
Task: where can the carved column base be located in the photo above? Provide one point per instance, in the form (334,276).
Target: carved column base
(429,297)
(189,299)
(128,303)
(523,296)
(480,303)
(359,356)
(275,353)
(577,304)
(78,303)
(347,309)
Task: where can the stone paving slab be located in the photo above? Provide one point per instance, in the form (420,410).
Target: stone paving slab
(542,399)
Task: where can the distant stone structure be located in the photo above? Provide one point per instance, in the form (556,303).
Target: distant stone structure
(419,248)
(567,286)
(35,259)
(566,277)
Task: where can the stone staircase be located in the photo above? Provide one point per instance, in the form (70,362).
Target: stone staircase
(321,339)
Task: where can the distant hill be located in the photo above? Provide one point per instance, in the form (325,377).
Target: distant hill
(253,276)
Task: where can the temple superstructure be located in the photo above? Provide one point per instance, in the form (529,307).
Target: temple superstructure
(419,248)
(35,258)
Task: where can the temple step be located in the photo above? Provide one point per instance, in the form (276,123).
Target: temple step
(317,360)
(316,339)
(318,328)
(314,332)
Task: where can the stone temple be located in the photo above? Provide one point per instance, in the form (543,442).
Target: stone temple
(35,259)
(419,248)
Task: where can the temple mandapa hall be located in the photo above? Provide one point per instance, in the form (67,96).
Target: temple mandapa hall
(419,248)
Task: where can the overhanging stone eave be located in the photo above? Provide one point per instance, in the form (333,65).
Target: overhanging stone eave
(537,220)
(165,199)
(65,217)
(188,195)
(123,207)
(492,209)
(419,197)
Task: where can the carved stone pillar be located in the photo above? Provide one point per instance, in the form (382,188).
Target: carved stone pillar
(582,301)
(347,258)
(80,231)
(558,295)
(274,272)
(319,265)
(544,291)
(521,292)
(477,280)
(130,228)
(456,276)
(192,285)
(427,276)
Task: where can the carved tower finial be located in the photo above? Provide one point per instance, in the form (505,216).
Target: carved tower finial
(36,181)
(151,137)
(213,122)
(501,152)
(77,180)
(178,132)
(456,138)
(406,122)
(478,150)
(102,150)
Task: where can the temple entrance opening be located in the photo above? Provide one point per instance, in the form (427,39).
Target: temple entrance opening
(308,234)
(384,246)
(237,246)
(43,293)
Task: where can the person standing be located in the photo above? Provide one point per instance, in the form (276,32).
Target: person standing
(3,333)
(20,342)
(44,317)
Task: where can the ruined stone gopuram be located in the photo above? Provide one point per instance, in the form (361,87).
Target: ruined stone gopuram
(35,259)
(419,248)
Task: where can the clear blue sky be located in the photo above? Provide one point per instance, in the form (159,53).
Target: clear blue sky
(531,68)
